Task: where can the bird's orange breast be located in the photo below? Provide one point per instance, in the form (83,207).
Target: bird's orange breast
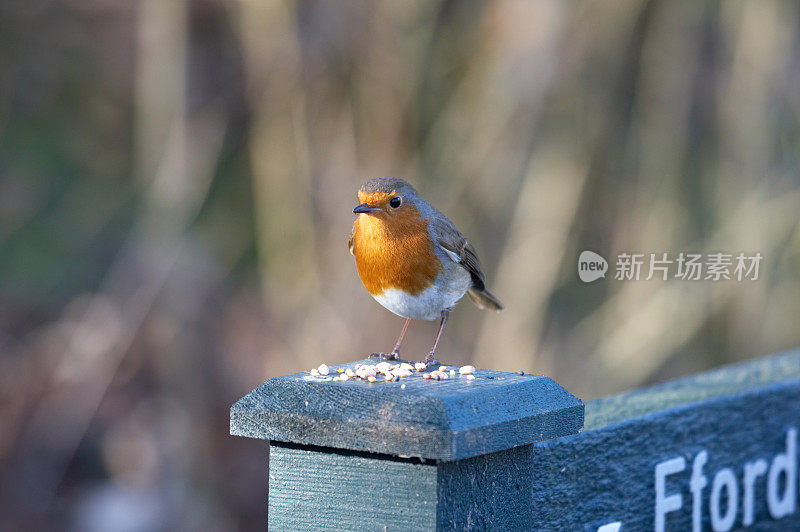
(394,250)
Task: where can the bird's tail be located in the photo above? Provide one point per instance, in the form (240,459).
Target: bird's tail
(485,299)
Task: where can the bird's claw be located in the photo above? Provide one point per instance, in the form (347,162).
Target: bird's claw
(394,355)
(430,361)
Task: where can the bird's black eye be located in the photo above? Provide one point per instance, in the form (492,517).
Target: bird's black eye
(395,202)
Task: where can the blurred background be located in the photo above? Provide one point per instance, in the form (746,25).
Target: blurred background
(176,186)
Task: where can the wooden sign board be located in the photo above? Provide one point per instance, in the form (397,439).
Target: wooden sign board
(715,451)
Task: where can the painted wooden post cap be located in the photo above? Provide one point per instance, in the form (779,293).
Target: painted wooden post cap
(449,419)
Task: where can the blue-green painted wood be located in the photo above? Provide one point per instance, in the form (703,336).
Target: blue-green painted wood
(735,428)
(314,488)
(325,489)
(489,492)
(609,474)
(444,420)
(738,415)
(696,389)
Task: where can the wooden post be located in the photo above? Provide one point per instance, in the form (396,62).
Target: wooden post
(413,454)
(716,451)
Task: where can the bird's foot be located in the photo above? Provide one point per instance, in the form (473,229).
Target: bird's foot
(394,355)
(430,361)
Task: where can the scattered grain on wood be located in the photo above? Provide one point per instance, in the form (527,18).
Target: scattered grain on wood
(401,372)
(365,372)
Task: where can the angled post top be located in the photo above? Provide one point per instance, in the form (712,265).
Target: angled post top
(448,419)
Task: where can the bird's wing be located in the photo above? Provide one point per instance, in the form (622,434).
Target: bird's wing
(459,249)
(350,242)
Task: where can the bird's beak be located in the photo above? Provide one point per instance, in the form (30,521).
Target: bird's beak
(364,208)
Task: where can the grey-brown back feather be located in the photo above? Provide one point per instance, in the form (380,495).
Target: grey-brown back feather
(451,239)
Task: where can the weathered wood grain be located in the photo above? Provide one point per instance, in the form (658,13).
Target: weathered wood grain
(444,420)
(720,447)
(328,489)
(325,489)
(489,492)
(695,389)
(608,474)
(737,415)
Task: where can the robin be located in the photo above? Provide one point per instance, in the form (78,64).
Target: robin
(412,259)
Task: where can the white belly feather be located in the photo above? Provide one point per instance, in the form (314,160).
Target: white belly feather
(428,305)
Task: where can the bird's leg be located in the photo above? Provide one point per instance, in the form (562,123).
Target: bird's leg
(395,354)
(429,359)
